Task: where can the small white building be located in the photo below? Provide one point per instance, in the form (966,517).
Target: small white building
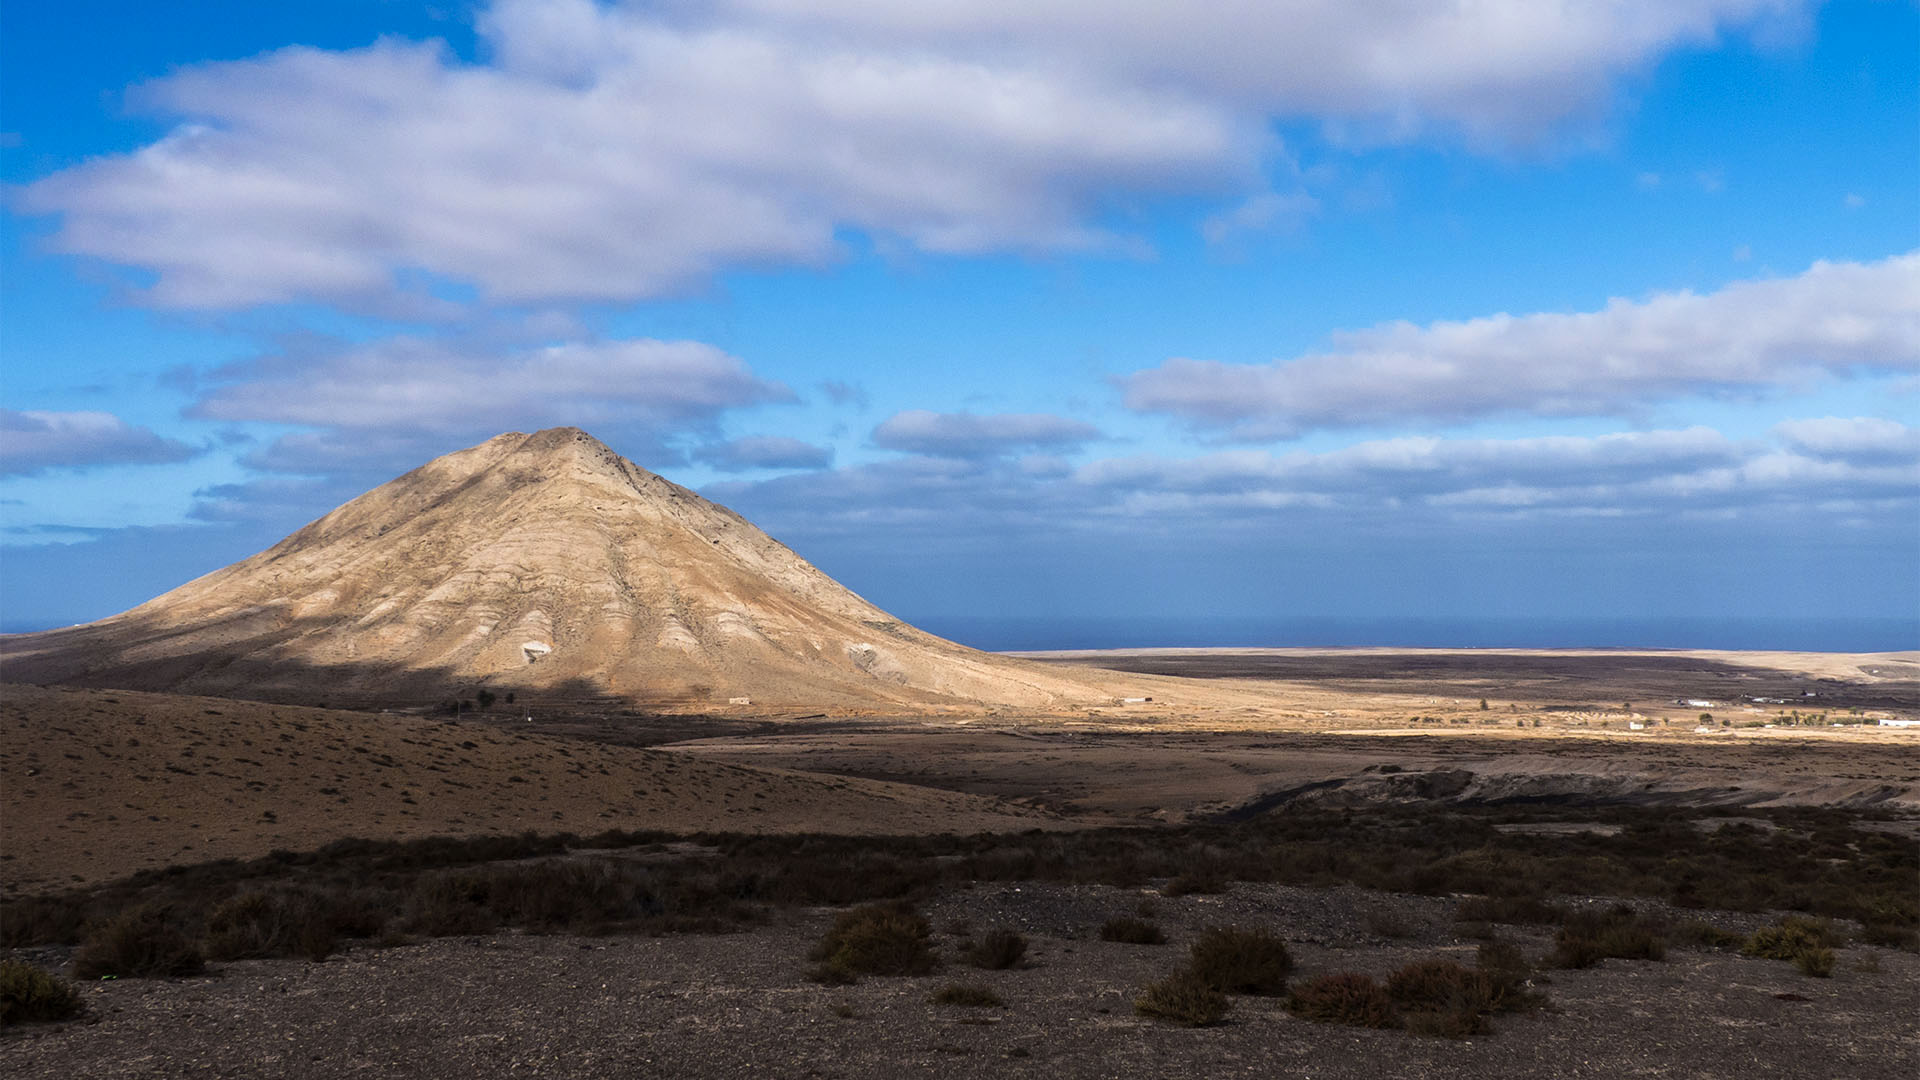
(1888,721)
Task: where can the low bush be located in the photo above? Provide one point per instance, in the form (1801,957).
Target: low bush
(878,939)
(1704,935)
(142,942)
(1189,884)
(256,924)
(998,950)
(1587,938)
(1815,962)
(1132,931)
(38,920)
(1508,909)
(1182,998)
(1790,937)
(1348,998)
(1242,961)
(970,994)
(30,995)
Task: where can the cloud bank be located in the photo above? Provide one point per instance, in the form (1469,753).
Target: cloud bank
(35,441)
(607,153)
(1746,340)
(966,435)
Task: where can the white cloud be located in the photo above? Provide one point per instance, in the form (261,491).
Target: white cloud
(1749,338)
(764,452)
(1396,485)
(404,384)
(626,152)
(965,435)
(606,155)
(1496,69)
(1860,438)
(34,441)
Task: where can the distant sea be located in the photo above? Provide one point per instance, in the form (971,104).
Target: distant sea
(1801,635)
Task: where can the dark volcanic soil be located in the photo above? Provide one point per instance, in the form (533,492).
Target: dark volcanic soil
(740,1005)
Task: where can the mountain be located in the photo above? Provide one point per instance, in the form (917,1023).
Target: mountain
(544,563)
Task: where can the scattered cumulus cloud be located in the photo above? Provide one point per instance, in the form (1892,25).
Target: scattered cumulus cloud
(1861,438)
(1811,470)
(609,153)
(967,435)
(764,452)
(366,413)
(35,441)
(1749,338)
(421,383)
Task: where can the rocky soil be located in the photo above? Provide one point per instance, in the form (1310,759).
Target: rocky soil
(740,1005)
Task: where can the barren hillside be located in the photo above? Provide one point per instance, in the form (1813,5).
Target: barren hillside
(540,561)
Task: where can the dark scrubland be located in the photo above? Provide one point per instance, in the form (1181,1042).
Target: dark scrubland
(1817,862)
(1758,945)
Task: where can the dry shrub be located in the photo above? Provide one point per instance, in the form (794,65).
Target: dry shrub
(970,994)
(1192,883)
(1790,937)
(1132,931)
(1347,998)
(256,924)
(1508,909)
(1815,962)
(878,939)
(1242,961)
(1588,938)
(31,995)
(998,950)
(142,942)
(41,920)
(1182,998)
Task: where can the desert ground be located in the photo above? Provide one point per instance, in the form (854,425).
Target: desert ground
(1254,798)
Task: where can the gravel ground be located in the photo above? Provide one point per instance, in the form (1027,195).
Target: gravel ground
(740,1005)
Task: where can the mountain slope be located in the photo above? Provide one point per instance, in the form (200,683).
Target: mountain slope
(543,562)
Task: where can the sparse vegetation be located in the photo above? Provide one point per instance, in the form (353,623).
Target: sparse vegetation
(31,995)
(997,950)
(1698,934)
(1587,938)
(878,939)
(142,942)
(1508,909)
(974,995)
(1346,998)
(1789,938)
(1241,961)
(1132,931)
(1813,861)
(1806,943)
(1182,998)
(1817,962)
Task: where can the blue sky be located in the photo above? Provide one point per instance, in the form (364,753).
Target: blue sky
(1377,310)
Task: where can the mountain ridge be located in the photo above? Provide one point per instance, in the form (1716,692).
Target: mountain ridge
(545,562)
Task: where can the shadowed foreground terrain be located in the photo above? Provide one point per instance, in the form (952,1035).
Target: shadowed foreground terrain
(1626,932)
(99,784)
